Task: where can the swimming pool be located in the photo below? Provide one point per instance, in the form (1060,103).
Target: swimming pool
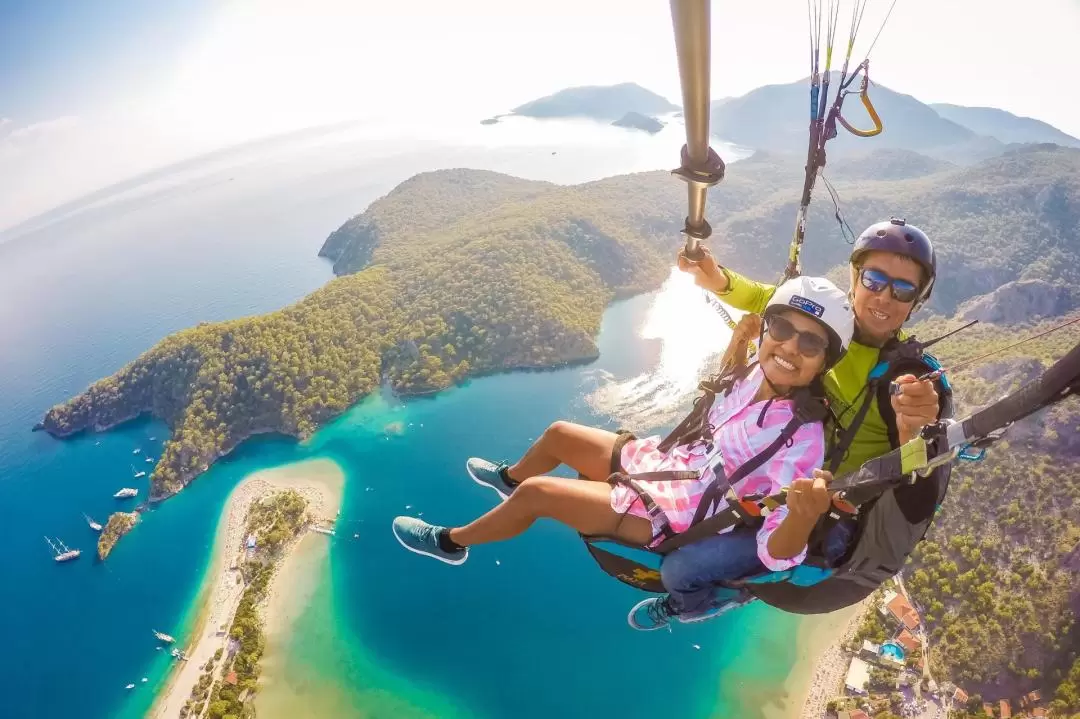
(892,650)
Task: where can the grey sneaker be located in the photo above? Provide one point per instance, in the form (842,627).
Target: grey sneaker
(650,614)
(656,612)
(418,536)
(488,474)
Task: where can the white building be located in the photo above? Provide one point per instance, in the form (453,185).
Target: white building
(858,676)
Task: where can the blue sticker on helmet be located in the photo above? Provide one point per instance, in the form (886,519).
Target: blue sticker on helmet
(808,306)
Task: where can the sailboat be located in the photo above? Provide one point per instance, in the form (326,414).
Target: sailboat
(96,526)
(64,553)
(163,637)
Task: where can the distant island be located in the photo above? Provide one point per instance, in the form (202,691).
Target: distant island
(774,118)
(637,121)
(600,102)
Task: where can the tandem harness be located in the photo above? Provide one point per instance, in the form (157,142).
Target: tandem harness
(883,537)
(810,406)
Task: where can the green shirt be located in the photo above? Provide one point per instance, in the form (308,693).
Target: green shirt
(845,384)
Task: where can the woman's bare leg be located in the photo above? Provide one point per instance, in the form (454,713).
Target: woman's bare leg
(585,506)
(584,449)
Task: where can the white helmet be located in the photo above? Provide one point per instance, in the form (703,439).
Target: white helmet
(825,302)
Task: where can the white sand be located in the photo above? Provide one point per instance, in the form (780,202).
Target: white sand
(320,482)
(830,664)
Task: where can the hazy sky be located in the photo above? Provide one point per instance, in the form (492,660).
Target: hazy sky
(92,91)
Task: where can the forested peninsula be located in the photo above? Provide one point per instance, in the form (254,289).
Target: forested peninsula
(458,273)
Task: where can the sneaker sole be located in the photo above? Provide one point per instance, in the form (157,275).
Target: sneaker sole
(692,619)
(485,484)
(695,619)
(427,554)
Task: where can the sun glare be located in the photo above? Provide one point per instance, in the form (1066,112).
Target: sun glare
(691,335)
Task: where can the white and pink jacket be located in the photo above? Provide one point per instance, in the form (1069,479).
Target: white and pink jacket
(740,433)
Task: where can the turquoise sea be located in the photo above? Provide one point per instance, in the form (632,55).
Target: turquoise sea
(527,628)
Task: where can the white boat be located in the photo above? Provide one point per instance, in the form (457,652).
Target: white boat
(149,459)
(130,686)
(136,450)
(140,474)
(126,492)
(63,553)
(96,526)
(163,637)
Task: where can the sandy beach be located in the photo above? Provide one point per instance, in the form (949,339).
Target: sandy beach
(826,670)
(320,482)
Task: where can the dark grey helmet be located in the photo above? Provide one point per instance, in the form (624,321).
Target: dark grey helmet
(898,237)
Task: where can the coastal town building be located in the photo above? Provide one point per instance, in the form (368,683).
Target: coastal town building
(858,676)
(1004,710)
(907,640)
(904,637)
(853,714)
(900,609)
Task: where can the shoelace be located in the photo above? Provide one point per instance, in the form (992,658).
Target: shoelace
(659,611)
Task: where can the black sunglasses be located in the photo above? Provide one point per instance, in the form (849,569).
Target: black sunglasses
(810,344)
(876,281)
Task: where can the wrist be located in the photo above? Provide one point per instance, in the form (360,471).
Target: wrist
(799,524)
(721,283)
(905,434)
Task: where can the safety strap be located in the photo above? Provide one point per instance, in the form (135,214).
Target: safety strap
(839,452)
(895,354)
(738,510)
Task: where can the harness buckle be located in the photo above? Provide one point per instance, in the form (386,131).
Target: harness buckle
(981,445)
(942,459)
